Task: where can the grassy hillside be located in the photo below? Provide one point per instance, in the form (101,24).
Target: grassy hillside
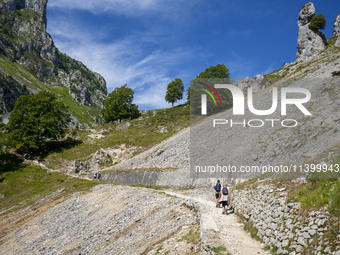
(143,134)
(84,114)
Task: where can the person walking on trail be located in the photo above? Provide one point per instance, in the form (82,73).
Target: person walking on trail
(99,176)
(225,197)
(217,188)
(94,176)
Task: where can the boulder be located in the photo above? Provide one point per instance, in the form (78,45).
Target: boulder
(125,126)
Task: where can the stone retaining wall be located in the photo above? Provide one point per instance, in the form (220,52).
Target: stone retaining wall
(177,178)
(282,225)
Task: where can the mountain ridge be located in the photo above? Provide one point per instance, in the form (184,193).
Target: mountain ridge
(25,41)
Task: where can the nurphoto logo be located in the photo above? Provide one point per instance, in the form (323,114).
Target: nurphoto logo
(238,99)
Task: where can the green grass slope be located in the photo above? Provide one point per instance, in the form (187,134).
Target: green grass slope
(143,134)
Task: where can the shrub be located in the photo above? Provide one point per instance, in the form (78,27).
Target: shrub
(317,22)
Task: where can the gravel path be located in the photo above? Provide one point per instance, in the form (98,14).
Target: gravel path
(223,230)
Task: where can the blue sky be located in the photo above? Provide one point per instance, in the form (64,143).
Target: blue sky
(148,43)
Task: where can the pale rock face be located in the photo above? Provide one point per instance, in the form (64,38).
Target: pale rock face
(337,43)
(306,13)
(309,43)
(37,5)
(336,31)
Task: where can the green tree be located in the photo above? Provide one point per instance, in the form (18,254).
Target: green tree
(174,91)
(317,22)
(218,74)
(218,71)
(36,119)
(119,105)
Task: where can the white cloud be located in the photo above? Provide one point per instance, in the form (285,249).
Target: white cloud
(125,61)
(124,7)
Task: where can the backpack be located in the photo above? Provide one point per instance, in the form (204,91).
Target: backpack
(218,187)
(225,191)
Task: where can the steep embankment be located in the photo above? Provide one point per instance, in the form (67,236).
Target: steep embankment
(30,62)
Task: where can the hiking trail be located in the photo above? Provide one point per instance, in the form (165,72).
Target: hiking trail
(218,229)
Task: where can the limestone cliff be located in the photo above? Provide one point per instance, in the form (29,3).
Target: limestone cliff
(309,43)
(29,57)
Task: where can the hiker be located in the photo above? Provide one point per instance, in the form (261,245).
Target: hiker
(99,176)
(217,188)
(225,197)
(94,176)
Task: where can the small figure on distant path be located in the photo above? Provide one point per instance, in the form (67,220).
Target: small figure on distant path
(94,176)
(225,197)
(217,188)
(99,176)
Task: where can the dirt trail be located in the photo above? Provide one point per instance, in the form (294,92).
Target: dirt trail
(223,230)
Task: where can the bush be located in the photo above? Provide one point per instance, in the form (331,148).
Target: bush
(317,22)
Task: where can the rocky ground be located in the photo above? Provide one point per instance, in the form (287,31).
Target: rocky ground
(109,220)
(119,219)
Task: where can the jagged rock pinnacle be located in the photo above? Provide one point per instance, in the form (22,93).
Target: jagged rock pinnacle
(309,43)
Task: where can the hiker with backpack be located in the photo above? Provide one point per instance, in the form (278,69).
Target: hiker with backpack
(217,188)
(94,176)
(225,197)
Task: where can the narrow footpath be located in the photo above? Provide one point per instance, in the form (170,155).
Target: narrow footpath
(218,229)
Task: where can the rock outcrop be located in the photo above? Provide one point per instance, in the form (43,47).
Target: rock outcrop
(24,38)
(309,43)
(336,31)
(92,163)
(337,43)
(10,90)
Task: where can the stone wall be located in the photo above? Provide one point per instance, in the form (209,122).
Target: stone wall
(171,178)
(282,225)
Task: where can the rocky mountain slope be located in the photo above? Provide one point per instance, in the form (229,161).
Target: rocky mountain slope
(30,62)
(312,139)
(110,220)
